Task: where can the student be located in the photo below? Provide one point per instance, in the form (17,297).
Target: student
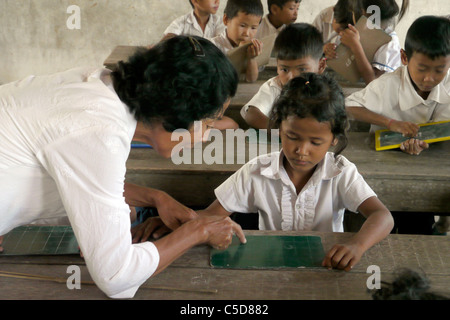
(417,92)
(242,19)
(304,186)
(387,57)
(281,13)
(298,49)
(202,21)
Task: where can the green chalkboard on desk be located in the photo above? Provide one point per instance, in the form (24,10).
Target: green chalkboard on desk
(270,252)
(428,132)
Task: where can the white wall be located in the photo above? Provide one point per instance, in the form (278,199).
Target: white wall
(34,37)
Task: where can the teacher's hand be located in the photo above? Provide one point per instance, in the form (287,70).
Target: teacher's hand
(1,241)
(220,231)
(173,213)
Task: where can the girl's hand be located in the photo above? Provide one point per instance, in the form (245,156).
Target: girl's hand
(254,49)
(350,37)
(413,146)
(152,227)
(343,256)
(408,129)
(1,241)
(330,51)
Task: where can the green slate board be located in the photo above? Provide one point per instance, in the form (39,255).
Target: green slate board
(40,240)
(428,132)
(270,252)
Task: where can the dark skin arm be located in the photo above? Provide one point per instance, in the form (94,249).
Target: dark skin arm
(378,225)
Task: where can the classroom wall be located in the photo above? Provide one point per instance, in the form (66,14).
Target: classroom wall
(35,37)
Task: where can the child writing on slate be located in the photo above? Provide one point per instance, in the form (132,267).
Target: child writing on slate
(298,49)
(345,14)
(281,13)
(304,186)
(202,21)
(242,19)
(418,92)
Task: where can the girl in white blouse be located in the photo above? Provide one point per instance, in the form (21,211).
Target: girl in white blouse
(304,186)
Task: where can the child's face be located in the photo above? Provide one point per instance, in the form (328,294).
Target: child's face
(338,28)
(287,14)
(288,69)
(426,73)
(208,6)
(242,28)
(305,141)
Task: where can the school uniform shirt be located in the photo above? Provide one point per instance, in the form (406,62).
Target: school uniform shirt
(265,97)
(263,185)
(388,57)
(221,41)
(188,25)
(64,142)
(324,23)
(393,95)
(266,28)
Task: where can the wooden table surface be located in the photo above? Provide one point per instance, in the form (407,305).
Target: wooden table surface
(192,278)
(403,182)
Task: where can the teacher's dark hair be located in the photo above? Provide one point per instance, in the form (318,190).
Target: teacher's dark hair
(177,82)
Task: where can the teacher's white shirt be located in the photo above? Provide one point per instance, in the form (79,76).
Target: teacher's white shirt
(64,143)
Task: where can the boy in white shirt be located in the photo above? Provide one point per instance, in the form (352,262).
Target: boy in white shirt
(242,19)
(416,93)
(202,21)
(281,13)
(304,186)
(298,49)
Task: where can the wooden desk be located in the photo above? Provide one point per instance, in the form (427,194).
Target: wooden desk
(192,275)
(403,182)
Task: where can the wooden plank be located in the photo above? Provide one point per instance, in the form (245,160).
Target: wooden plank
(191,276)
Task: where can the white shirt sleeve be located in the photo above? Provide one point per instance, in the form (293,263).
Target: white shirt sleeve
(235,194)
(177,26)
(263,99)
(388,58)
(89,167)
(352,187)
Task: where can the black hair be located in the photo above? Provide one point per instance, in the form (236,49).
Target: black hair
(253,7)
(177,82)
(299,40)
(279,3)
(317,96)
(429,35)
(349,11)
(407,285)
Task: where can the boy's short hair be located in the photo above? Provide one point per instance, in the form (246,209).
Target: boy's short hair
(429,35)
(279,3)
(299,40)
(253,7)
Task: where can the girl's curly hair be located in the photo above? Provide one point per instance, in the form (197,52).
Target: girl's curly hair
(177,82)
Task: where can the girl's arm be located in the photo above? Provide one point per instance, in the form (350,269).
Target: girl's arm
(214,209)
(378,225)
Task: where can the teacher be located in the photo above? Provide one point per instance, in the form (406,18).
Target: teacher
(65,139)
